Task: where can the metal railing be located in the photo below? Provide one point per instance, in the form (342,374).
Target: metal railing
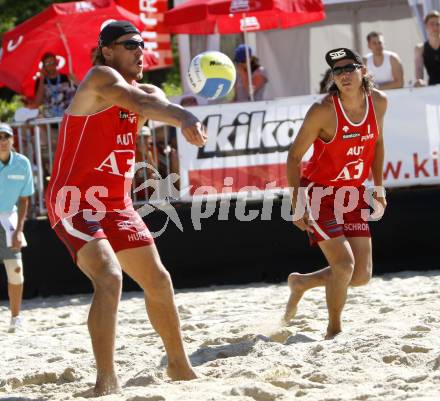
(37,140)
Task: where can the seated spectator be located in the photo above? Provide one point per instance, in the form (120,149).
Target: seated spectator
(427,55)
(258,74)
(53,90)
(384,66)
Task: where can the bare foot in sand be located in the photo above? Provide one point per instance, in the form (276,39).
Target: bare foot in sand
(297,289)
(332,332)
(100,389)
(181,373)
(106,385)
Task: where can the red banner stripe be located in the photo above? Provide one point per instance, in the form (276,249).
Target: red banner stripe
(258,176)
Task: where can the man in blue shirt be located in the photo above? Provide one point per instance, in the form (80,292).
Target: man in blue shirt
(16,185)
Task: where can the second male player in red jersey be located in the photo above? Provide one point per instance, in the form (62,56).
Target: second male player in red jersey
(89,205)
(345,129)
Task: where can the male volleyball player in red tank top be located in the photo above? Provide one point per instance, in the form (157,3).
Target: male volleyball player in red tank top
(345,128)
(89,205)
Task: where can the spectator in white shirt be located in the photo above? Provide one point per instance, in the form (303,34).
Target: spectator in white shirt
(385,66)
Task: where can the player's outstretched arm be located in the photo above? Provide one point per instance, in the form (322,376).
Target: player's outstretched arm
(147,101)
(380,105)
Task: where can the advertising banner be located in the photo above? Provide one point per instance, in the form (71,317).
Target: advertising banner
(247,144)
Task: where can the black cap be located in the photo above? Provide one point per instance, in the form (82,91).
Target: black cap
(114,30)
(335,55)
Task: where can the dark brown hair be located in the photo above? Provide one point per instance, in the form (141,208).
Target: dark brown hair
(98,57)
(367,84)
(47,55)
(255,64)
(373,34)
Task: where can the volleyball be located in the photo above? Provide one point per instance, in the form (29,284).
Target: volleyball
(211,74)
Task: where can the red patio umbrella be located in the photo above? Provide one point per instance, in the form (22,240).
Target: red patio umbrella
(69,30)
(204,17)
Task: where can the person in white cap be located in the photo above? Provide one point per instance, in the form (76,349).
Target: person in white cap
(16,185)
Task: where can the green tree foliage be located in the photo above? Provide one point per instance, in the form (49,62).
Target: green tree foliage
(14,12)
(167,78)
(8,107)
(173,84)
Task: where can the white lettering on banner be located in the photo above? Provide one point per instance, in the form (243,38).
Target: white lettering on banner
(148,6)
(151,46)
(110,164)
(12,45)
(244,145)
(150,22)
(249,24)
(149,35)
(84,6)
(249,133)
(239,6)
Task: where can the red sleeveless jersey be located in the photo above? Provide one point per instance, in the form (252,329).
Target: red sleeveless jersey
(94,162)
(345,160)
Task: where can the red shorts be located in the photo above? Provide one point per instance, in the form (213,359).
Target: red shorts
(124,230)
(343,212)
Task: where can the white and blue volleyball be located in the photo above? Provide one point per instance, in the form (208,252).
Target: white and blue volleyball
(211,75)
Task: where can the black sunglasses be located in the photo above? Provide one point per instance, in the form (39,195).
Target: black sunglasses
(131,44)
(346,68)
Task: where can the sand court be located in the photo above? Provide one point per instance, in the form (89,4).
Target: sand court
(389,350)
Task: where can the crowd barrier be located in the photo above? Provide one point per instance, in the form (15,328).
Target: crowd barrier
(156,157)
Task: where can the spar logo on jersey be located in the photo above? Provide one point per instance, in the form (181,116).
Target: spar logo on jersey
(351,135)
(125,115)
(247,134)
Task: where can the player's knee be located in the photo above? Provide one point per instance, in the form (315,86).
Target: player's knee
(159,284)
(109,281)
(362,276)
(344,269)
(14,271)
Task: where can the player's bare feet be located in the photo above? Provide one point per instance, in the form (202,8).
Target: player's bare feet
(332,332)
(106,385)
(297,289)
(177,373)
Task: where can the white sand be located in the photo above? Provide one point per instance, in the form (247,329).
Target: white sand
(389,350)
